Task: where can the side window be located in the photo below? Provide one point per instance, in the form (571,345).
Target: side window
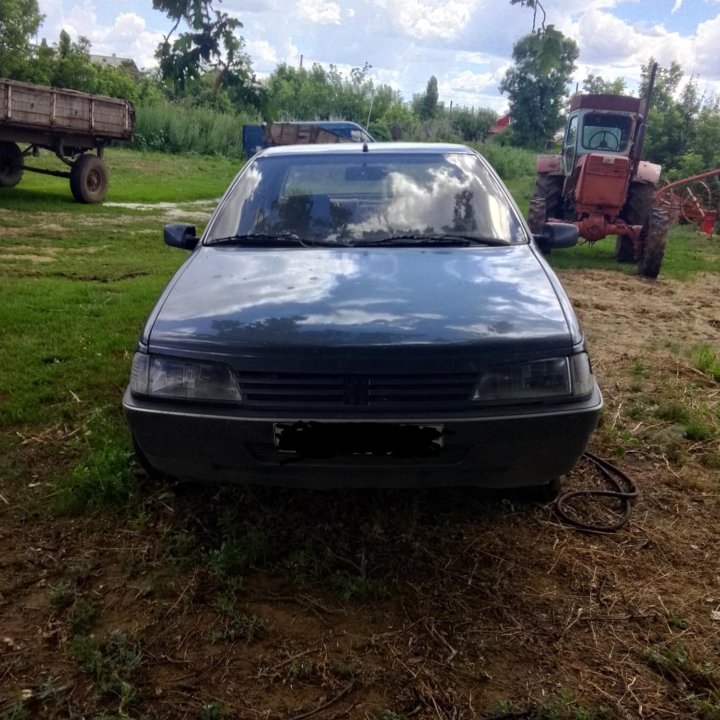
(569,147)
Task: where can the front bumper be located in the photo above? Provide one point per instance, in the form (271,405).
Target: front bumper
(499,450)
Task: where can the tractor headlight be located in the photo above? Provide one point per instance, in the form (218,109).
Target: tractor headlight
(176,378)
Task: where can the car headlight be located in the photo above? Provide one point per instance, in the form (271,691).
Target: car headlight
(537,380)
(177,378)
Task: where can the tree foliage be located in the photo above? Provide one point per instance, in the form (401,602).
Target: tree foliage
(19,21)
(596,84)
(211,45)
(683,132)
(537,84)
(320,94)
(426,105)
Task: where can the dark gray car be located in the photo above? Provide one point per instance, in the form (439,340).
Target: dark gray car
(364,315)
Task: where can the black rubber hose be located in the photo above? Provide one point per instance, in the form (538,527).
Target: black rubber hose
(624,489)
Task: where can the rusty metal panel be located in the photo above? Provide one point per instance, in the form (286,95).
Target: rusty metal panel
(603,180)
(300,134)
(619,103)
(549,164)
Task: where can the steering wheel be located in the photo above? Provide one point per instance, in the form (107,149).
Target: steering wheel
(603,143)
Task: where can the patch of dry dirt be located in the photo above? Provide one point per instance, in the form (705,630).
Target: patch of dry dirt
(455,604)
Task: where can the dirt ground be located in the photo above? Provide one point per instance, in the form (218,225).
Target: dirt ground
(231,602)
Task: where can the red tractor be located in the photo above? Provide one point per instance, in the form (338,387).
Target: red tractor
(599,182)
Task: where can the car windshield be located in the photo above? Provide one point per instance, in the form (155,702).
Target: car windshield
(374,198)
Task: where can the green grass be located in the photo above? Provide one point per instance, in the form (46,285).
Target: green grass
(687,252)
(135,177)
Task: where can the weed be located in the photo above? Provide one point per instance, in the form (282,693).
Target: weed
(111,664)
(639,369)
(564,706)
(105,477)
(238,553)
(213,711)
(706,360)
(238,625)
(17,712)
(84,615)
(702,680)
(348,587)
(697,430)
(673,412)
(677,621)
(62,595)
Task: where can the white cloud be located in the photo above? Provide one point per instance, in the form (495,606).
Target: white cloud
(261,52)
(676,6)
(707,41)
(127,37)
(424,19)
(319,12)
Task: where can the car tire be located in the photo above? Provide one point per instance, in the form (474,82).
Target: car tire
(89,179)
(11,164)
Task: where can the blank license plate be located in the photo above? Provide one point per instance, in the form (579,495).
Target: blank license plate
(318,439)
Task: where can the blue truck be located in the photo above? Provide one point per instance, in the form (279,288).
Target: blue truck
(257,137)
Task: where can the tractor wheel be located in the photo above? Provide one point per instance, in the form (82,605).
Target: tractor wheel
(637,211)
(89,179)
(11,164)
(654,246)
(624,251)
(537,215)
(549,188)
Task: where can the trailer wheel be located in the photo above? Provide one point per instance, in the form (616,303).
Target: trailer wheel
(11,164)
(89,179)
(654,247)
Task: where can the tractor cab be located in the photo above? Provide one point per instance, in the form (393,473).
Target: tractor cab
(599,124)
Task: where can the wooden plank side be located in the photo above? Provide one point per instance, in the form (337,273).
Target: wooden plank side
(29,107)
(37,106)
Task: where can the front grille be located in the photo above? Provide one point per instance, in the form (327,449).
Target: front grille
(307,391)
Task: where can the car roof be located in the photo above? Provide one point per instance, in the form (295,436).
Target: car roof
(407,148)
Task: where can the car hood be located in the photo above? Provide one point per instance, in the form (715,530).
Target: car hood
(230,300)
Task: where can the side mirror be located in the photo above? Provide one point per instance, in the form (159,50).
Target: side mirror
(557,235)
(181,236)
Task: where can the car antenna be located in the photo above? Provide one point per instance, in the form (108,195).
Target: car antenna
(365,147)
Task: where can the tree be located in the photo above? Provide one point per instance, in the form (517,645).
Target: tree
(537,84)
(673,114)
(596,85)
(19,21)
(210,45)
(426,105)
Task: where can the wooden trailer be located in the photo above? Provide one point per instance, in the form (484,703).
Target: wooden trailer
(66,122)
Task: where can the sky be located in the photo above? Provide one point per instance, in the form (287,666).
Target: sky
(465,44)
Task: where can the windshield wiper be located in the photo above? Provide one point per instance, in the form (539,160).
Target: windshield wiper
(258,239)
(415,239)
(282,239)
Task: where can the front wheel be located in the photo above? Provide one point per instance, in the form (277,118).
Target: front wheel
(624,251)
(654,247)
(11,164)
(89,179)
